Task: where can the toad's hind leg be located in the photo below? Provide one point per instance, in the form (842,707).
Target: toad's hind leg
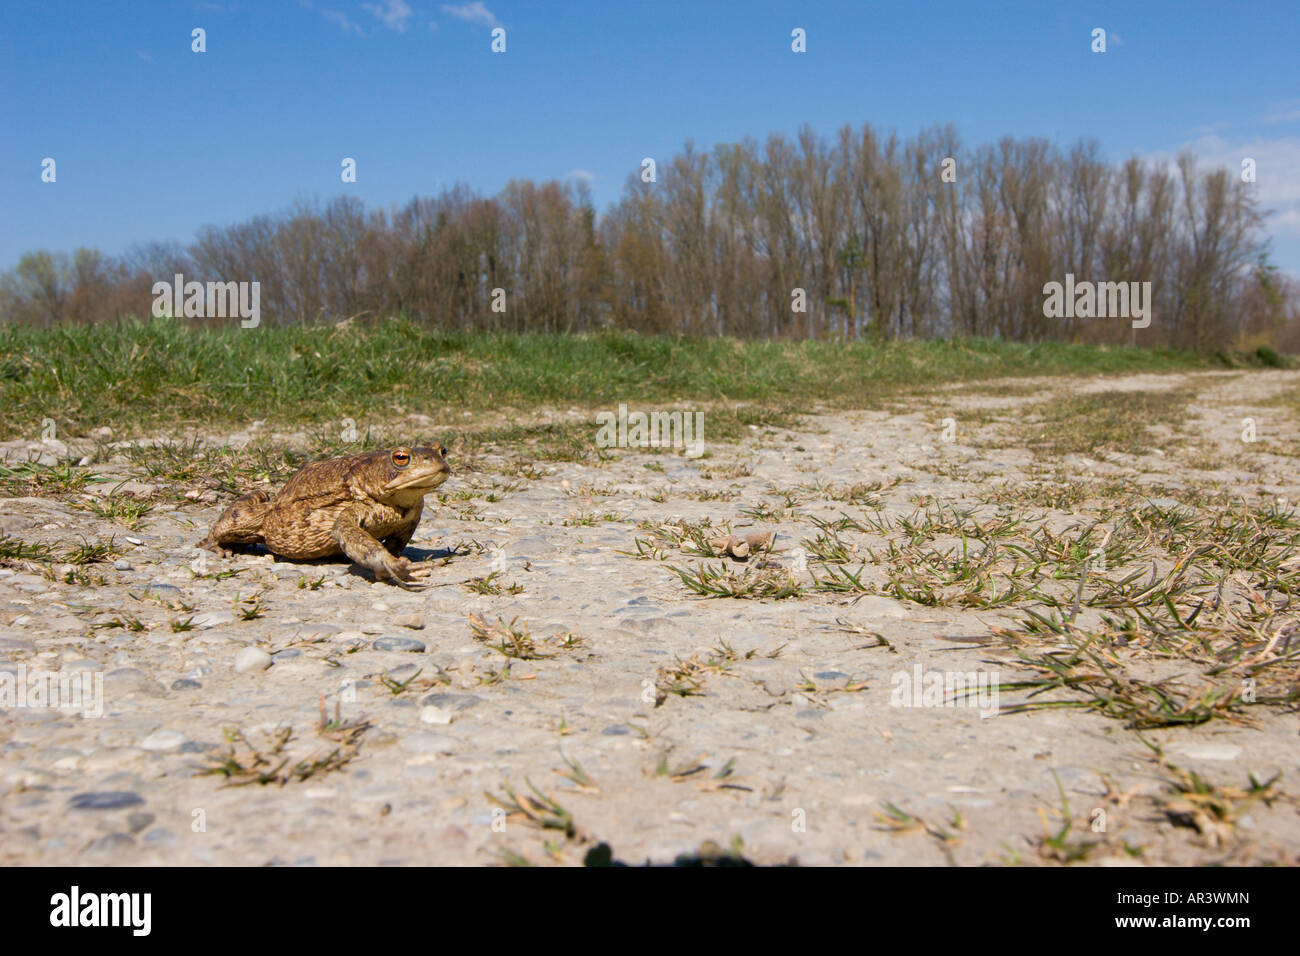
(241,523)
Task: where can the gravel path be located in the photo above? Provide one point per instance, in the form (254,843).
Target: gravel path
(652,719)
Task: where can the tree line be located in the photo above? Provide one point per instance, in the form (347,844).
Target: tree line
(854,235)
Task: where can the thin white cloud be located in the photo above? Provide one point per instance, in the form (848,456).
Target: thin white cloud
(474,12)
(581,174)
(1277,173)
(1286,112)
(336,17)
(393,14)
(342,21)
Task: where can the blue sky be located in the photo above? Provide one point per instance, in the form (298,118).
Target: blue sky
(153,141)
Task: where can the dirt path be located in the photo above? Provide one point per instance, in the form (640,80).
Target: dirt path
(658,720)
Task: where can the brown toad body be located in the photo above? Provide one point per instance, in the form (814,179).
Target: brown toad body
(363,506)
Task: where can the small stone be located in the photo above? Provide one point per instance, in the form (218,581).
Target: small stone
(162,590)
(160,837)
(113,843)
(452,701)
(394,643)
(436,715)
(427,743)
(212,619)
(138,821)
(185,684)
(250,660)
(163,741)
(414,621)
(105,800)
(1199,751)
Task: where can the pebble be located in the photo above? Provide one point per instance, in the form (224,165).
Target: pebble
(160,837)
(163,741)
(452,701)
(1210,751)
(113,843)
(434,714)
(395,643)
(250,660)
(212,619)
(105,800)
(423,742)
(403,672)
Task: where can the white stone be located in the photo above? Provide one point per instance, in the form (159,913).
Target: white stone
(163,741)
(434,714)
(252,659)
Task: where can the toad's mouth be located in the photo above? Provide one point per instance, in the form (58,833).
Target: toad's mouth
(424,480)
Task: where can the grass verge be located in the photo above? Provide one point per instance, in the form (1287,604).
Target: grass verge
(137,375)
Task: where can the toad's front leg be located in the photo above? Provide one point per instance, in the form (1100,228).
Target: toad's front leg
(363,548)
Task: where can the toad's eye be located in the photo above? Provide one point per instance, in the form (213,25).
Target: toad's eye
(442,450)
(401,458)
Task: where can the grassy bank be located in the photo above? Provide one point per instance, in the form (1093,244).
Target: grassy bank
(141,375)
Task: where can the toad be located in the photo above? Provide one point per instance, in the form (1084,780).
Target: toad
(363,506)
